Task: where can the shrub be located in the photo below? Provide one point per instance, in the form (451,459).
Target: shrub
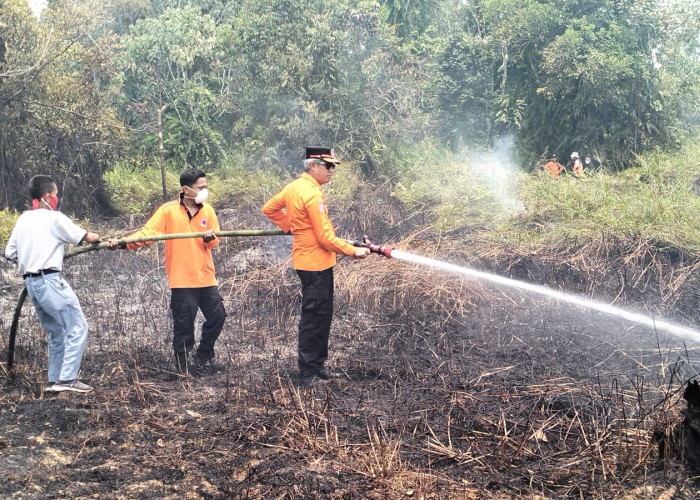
(656,199)
(456,190)
(345,181)
(8,217)
(232,183)
(138,191)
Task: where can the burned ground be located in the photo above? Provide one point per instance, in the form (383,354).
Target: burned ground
(453,389)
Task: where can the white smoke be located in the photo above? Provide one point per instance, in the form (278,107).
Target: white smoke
(498,172)
(37,7)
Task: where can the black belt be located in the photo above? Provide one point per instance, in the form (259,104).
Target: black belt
(43,271)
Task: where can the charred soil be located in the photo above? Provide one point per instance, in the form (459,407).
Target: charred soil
(452,389)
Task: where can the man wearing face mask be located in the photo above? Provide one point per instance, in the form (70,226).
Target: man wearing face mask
(300,208)
(588,163)
(37,243)
(190,269)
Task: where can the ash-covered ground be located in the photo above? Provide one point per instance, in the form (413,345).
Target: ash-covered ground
(453,389)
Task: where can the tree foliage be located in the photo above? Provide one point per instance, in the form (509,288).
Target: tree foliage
(563,76)
(251,82)
(56,104)
(168,63)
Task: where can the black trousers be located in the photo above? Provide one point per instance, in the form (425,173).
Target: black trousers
(315,322)
(184,303)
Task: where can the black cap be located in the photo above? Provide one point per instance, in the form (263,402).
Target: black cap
(325,154)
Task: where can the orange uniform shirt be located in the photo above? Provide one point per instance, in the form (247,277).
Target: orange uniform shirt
(301,208)
(553,167)
(188,261)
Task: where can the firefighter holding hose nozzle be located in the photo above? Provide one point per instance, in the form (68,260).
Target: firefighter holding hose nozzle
(300,208)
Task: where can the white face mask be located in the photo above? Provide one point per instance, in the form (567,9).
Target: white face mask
(202,196)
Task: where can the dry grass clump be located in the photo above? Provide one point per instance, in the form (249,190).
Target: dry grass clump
(626,271)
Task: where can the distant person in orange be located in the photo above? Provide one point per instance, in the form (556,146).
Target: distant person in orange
(577,165)
(300,208)
(553,167)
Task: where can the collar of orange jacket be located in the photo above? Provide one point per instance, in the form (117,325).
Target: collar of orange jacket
(308,176)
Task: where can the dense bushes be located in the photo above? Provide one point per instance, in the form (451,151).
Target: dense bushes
(7,222)
(655,199)
(92,85)
(138,191)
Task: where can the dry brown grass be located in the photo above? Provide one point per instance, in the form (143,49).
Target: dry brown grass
(454,390)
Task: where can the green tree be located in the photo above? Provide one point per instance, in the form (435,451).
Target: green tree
(168,62)
(55,100)
(560,75)
(329,72)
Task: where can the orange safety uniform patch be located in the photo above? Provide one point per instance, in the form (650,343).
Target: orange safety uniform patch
(301,208)
(188,261)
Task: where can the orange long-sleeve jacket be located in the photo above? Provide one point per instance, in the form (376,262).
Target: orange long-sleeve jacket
(553,167)
(301,208)
(188,261)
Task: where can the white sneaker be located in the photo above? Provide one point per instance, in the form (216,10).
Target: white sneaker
(72,386)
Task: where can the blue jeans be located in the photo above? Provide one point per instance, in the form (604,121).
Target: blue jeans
(59,313)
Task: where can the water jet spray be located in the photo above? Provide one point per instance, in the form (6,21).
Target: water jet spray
(677,330)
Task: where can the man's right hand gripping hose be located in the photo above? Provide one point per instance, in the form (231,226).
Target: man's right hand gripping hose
(384,250)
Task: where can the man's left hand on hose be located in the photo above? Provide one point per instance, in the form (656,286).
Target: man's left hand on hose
(209,235)
(113,244)
(361,252)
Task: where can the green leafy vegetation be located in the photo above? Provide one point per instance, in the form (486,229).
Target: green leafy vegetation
(138,191)
(90,86)
(247,188)
(7,222)
(455,191)
(657,199)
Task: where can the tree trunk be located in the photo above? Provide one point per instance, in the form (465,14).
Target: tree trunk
(160,151)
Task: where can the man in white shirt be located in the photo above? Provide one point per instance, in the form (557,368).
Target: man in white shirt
(37,243)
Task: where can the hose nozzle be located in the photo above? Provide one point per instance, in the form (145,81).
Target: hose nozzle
(384,250)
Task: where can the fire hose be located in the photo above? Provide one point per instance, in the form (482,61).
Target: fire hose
(365,243)
(138,239)
(390,252)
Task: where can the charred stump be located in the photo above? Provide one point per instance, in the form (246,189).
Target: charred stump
(682,440)
(690,428)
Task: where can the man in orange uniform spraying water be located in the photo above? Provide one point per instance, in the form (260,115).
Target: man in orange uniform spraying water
(301,208)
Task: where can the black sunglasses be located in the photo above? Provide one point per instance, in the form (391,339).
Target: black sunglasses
(328,166)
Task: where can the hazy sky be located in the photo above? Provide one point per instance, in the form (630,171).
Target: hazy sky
(37,6)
